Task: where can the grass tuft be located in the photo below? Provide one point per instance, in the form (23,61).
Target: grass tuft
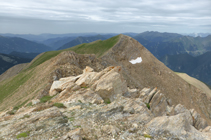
(59,105)
(147,136)
(71,119)
(23,135)
(107,101)
(46,98)
(148,105)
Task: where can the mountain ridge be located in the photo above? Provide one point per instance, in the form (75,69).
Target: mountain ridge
(9,44)
(150,72)
(100,74)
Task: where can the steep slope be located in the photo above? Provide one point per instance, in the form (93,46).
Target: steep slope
(12,71)
(200,85)
(198,67)
(7,61)
(146,71)
(10,44)
(152,73)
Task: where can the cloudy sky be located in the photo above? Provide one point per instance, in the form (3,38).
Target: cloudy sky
(113,16)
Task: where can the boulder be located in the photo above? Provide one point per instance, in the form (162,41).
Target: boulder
(35,101)
(181,109)
(131,93)
(88,69)
(207,129)
(85,79)
(110,85)
(73,135)
(158,105)
(174,126)
(62,84)
(198,122)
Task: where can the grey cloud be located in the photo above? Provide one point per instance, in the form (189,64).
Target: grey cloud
(112,16)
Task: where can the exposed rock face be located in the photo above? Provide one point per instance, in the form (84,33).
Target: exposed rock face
(108,84)
(152,73)
(86,114)
(177,125)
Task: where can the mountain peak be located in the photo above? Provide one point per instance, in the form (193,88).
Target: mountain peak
(105,81)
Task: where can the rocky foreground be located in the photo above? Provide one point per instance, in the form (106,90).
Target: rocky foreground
(99,105)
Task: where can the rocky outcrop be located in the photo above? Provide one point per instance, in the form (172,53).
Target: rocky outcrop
(108,84)
(150,72)
(99,105)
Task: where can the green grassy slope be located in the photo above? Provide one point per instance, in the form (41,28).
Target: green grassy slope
(9,86)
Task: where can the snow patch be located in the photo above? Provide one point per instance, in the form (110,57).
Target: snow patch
(137,60)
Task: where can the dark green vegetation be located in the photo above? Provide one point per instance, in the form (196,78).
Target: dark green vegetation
(10,44)
(148,105)
(107,101)
(7,61)
(147,136)
(44,99)
(59,105)
(160,44)
(198,67)
(23,135)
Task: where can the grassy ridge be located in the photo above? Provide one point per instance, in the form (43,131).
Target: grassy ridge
(99,47)
(46,56)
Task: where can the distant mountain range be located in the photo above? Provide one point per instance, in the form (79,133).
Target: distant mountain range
(198,34)
(7,61)
(24,55)
(56,43)
(42,37)
(10,44)
(175,50)
(161,44)
(198,67)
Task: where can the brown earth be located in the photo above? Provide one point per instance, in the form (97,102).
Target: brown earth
(153,73)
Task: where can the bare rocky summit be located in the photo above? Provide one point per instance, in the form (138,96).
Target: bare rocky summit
(125,93)
(100,105)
